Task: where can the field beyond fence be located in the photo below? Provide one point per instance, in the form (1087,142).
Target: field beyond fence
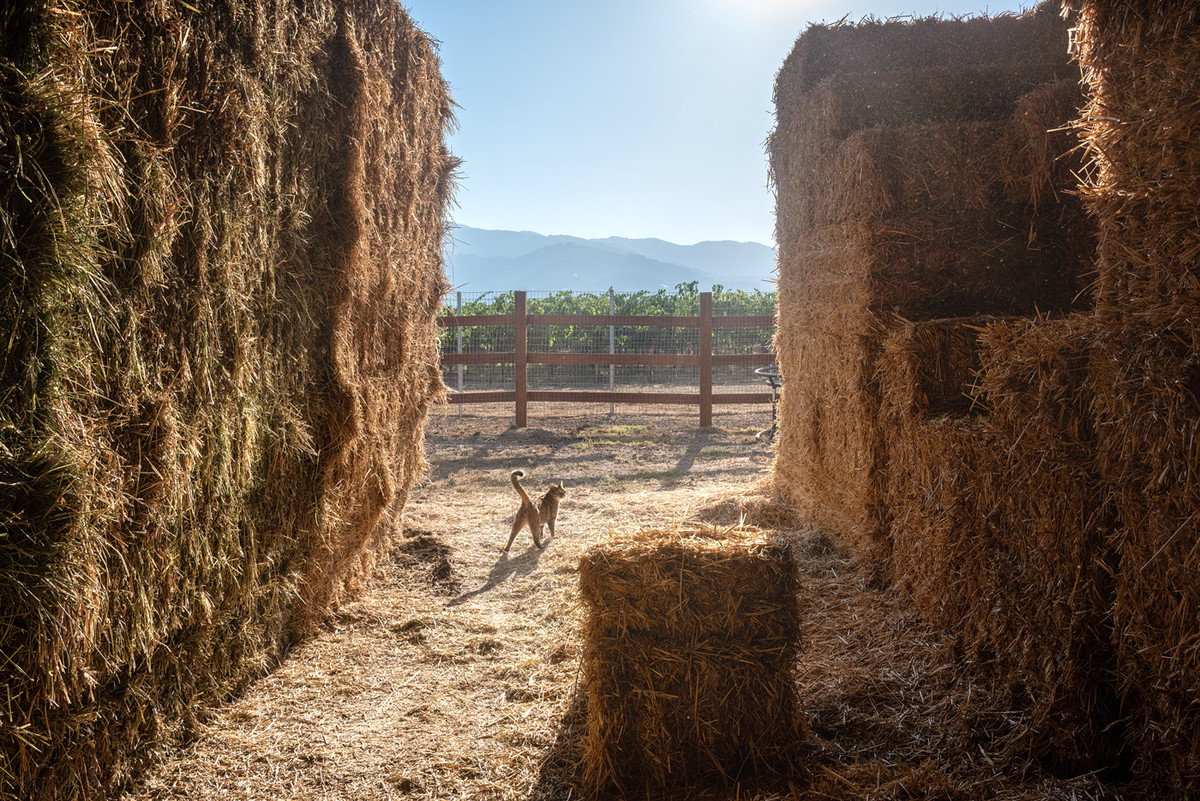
(639,348)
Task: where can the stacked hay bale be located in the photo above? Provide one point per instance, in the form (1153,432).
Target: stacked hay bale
(1000,523)
(220,226)
(1142,64)
(935,441)
(1050,519)
(688,657)
(968,479)
(907,183)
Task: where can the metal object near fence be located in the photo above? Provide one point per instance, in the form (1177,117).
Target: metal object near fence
(775,379)
(520,357)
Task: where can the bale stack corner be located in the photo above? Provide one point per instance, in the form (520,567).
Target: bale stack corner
(688,658)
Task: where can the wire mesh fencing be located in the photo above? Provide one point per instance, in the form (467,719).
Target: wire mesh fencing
(583,337)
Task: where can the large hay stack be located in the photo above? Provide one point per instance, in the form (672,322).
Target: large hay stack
(934,415)
(1142,65)
(688,659)
(220,226)
(1040,472)
(914,178)
(1041,481)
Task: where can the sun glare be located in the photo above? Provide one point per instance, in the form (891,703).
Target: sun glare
(765,8)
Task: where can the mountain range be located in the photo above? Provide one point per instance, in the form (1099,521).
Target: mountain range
(481,260)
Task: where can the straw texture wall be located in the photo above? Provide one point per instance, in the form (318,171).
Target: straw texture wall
(1038,479)
(1142,65)
(938,201)
(220,226)
(1000,526)
(689,647)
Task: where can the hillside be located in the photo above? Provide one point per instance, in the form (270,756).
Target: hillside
(479,260)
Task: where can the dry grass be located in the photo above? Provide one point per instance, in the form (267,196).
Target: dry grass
(455,676)
(458,674)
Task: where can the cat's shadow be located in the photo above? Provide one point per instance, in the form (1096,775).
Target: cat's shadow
(506,567)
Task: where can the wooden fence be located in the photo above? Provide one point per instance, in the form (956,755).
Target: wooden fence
(520,321)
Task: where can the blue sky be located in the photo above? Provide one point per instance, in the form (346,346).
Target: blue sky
(636,118)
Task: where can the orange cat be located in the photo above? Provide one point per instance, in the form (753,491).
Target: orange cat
(544,514)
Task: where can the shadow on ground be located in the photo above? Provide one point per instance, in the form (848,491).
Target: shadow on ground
(560,772)
(506,567)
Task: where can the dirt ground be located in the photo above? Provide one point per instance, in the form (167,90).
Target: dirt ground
(455,675)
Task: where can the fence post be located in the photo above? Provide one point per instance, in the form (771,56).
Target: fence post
(458,329)
(522,348)
(706,328)
(612,348)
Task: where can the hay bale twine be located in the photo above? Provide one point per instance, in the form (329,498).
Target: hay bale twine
(689,646)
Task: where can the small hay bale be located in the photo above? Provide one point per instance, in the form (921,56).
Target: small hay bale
(1043,158)
(689,647)
(929,368)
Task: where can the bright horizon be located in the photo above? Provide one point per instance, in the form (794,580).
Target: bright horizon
(635,118)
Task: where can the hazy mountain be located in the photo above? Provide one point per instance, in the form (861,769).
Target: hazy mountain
(479,260)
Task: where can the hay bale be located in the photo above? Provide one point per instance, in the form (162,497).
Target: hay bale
(1050,625)
(846,102)
(926,214)
(930,368)
(1142,66)
(934,444)
(219,269)
(829,455)
(940,554)
(688,655)
(1000,523)
(854,155)
(928,267)
(896,172)
(1042,154)
(1037,39)
(842,79)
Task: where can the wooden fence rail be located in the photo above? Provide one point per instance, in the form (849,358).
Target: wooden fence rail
(520,320)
